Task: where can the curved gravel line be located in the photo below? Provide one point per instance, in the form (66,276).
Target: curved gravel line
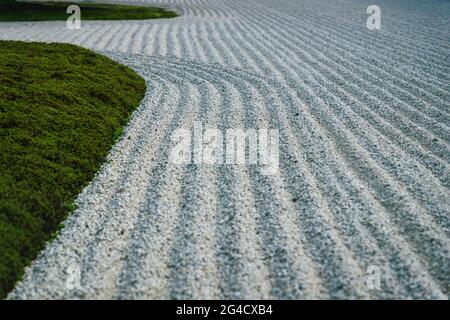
(363,179)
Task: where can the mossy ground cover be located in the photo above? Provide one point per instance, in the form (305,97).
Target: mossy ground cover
(61,109)
(11,10)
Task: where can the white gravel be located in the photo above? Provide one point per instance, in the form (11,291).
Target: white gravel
(364,176)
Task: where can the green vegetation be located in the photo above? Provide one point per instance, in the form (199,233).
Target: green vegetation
(61,109)
(11,10)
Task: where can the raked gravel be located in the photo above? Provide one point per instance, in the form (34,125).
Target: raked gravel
(363,181)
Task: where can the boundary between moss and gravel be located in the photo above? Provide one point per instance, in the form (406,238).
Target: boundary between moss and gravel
(62,107)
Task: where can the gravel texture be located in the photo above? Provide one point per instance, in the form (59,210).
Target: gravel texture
(363,179)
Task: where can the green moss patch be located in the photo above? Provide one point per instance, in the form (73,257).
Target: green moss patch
(61,109)
(11,10)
